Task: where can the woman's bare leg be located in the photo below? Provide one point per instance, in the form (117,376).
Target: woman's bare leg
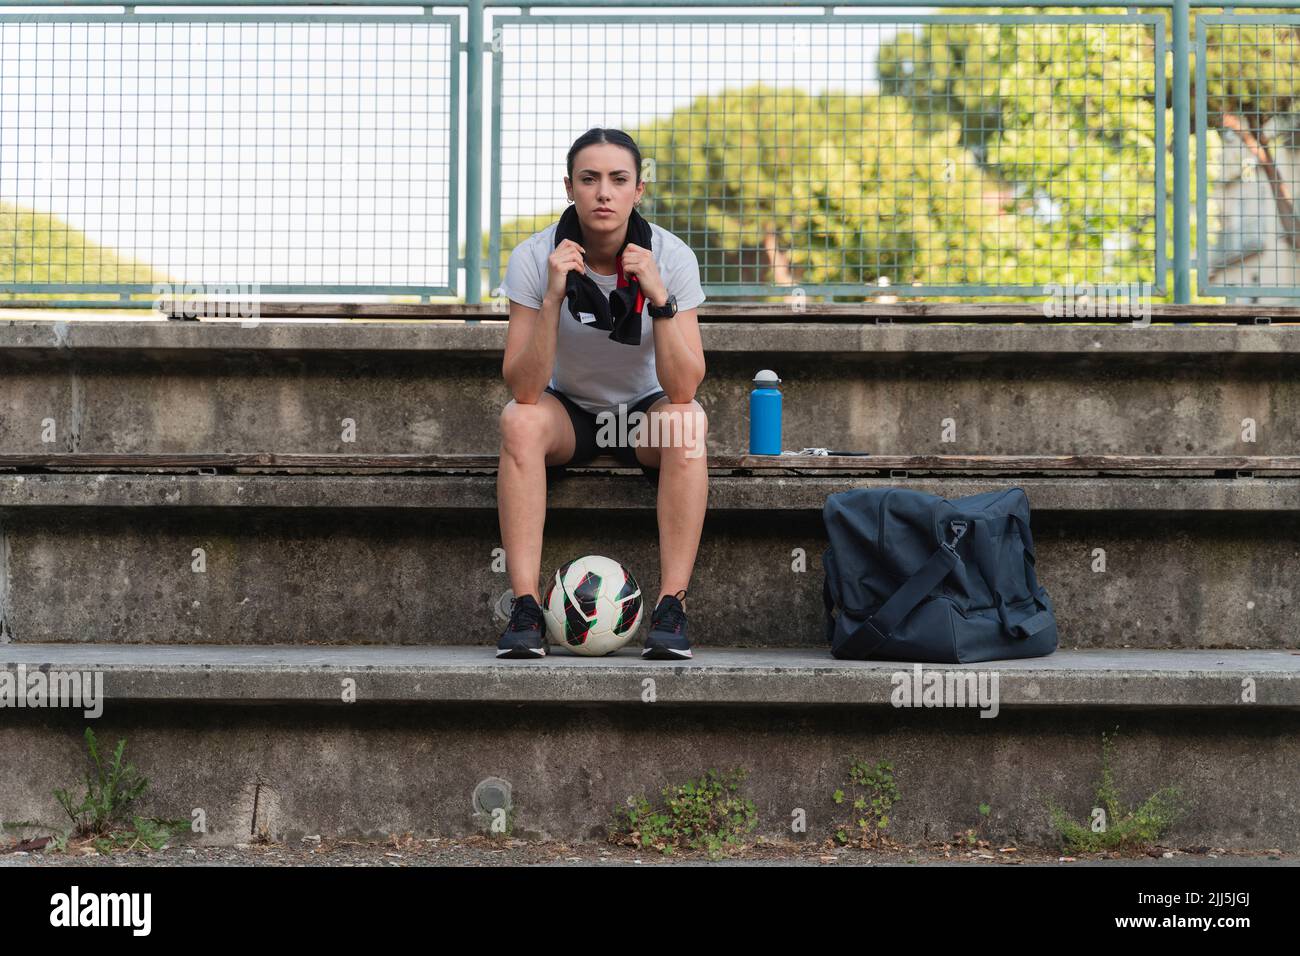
(532,437)
(683,491)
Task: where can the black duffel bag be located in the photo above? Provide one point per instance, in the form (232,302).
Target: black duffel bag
(911,576)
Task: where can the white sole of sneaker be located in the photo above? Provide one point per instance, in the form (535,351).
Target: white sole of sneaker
(665,653)
(526,652)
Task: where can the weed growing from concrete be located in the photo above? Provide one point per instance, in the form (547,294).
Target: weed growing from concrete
(705,814)
(871,792)
(1112,826)
(104,813)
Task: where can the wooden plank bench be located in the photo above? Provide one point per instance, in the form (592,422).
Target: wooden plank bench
(756,465)
(765,312)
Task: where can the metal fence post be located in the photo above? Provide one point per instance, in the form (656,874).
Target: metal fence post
(1181,18)
(474,154)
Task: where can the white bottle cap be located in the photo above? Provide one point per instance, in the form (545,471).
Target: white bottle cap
(766,377)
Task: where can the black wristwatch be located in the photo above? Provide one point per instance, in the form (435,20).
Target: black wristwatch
(665,311)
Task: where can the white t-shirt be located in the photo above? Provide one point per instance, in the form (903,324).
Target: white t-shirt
(590,367)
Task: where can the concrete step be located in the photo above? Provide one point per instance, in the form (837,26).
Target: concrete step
(263,740)
(1157,562)
(120,386)
(281,673)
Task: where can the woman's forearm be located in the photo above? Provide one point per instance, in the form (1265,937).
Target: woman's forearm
(531,370)
(679,369)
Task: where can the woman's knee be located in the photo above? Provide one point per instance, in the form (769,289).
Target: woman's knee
(686,433)
(524,429)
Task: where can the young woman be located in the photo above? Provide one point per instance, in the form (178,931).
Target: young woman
(634,341)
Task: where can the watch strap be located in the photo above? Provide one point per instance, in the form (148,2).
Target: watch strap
(666,311)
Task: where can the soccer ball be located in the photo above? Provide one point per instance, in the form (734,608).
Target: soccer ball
(593,606)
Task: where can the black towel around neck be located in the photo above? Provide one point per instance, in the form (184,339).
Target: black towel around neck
(620,312)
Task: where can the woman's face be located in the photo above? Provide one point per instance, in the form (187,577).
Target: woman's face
(604,178)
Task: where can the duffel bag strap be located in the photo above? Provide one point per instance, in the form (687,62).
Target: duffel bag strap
(983,549)
(1031,558)
(877,629)
(829,597)
(1033,624)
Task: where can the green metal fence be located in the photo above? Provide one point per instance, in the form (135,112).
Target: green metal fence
(1248,93)
(304,153)
(829,150)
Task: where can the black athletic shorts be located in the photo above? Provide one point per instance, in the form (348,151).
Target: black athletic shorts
(584,434)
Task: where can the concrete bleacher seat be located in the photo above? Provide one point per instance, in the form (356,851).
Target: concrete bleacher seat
(787,677)
(149,387)
(1157,552)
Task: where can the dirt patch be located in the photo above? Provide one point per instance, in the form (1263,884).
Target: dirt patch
(399,851)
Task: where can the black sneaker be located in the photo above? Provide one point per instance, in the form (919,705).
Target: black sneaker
(525,635)
(667,639)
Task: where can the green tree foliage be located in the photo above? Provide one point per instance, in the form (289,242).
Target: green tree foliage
(1252,70)
(1067,111)
(39,248)
(812,189)
(1064,115)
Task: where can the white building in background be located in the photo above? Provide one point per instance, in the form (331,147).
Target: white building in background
(1250,249)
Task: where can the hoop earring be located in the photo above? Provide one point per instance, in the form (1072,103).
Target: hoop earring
(570,202)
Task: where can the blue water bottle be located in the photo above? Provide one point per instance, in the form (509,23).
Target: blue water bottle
(765,414)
